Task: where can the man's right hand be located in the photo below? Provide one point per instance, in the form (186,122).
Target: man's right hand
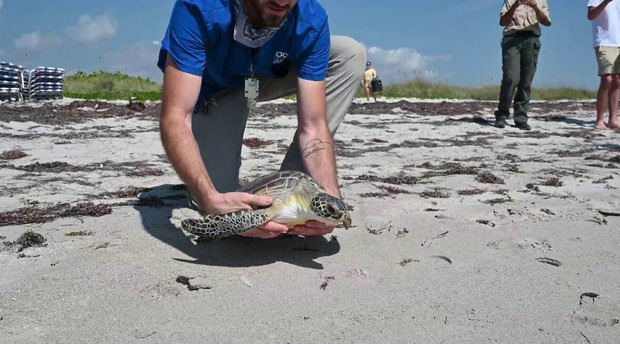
(224,203)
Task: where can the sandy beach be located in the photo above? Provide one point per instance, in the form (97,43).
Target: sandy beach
(463,233)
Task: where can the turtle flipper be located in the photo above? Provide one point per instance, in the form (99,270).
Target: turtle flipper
(221,226)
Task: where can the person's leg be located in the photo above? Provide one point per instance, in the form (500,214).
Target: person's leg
(218,129)
(605,57)
(511,65)
(614,93)
(602,100)
(346,67)
(529,62)
(367,89)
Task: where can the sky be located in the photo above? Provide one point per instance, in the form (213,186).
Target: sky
(451,41)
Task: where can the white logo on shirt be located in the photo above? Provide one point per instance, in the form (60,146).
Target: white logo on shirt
(279,57)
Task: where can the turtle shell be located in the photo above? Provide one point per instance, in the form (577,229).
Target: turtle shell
(278,184)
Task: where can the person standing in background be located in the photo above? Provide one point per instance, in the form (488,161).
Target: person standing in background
(369,75)
(520,48)
(605,17)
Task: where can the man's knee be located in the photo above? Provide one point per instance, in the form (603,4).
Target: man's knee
(510,80)
(615,81)
(351,52)
(607,80)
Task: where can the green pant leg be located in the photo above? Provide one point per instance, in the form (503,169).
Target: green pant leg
(346,68)
(511,72)
(529,62)
(218,129)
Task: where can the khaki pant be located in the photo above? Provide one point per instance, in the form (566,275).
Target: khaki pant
(608,59)
(218,129)
(519,61)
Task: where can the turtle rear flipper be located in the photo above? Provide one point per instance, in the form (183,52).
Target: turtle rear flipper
(220,226)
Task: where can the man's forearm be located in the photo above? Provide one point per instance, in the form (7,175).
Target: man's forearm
(317,153)
(594,12)
(183,153)
(315,140)
(507,17)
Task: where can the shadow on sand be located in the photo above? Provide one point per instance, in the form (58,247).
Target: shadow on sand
(569,120)
(230,252)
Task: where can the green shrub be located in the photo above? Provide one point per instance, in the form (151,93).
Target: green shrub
(106,85)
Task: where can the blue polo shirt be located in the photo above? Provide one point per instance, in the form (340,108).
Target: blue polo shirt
(200,40)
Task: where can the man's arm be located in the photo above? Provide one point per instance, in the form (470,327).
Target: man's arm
(506,18)
(180,94)
(315,139)
(316,146)
(594,12)
(541,15)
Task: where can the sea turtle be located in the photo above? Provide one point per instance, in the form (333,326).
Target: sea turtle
(297,198)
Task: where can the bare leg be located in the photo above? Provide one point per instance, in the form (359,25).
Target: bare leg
(367,89)
(374,95)
(602,101)
(614,92)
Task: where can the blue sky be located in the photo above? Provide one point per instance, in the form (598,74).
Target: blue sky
(453,41)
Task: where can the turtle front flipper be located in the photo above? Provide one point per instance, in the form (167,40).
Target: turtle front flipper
(221,226)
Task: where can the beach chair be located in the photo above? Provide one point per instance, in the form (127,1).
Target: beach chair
(11,81)
(46,83)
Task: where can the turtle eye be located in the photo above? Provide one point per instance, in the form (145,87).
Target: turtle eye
(330,209)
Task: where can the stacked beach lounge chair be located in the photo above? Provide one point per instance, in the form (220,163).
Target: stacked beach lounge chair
(11,82)
(45,83)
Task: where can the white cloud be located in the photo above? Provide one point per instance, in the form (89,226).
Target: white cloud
(36,40)
(403,64)
(138,59)
(89,29)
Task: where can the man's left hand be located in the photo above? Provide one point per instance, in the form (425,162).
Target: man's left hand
(312,228)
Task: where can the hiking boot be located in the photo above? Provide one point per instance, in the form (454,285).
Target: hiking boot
(523,126)
(500,123)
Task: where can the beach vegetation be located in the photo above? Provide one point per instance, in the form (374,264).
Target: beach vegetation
(108,85)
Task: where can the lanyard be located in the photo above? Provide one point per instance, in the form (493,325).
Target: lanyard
(251,83)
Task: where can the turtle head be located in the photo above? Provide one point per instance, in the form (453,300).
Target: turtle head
(331,209)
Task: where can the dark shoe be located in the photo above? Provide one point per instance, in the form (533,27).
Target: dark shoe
(500,123)
(523,126)
(193,203)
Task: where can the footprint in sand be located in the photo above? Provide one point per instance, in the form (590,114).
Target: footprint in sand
(598,312)
(521,244)
(160,290)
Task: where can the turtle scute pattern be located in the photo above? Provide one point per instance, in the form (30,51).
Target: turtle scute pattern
(220,226)
(323,202)
(278,183)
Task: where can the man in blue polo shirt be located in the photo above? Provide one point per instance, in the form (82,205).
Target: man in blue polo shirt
(219,57)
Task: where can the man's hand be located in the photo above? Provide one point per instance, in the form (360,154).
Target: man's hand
(312,227)
(224,203)
(532,3)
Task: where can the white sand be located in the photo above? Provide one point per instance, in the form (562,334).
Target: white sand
(119,285)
